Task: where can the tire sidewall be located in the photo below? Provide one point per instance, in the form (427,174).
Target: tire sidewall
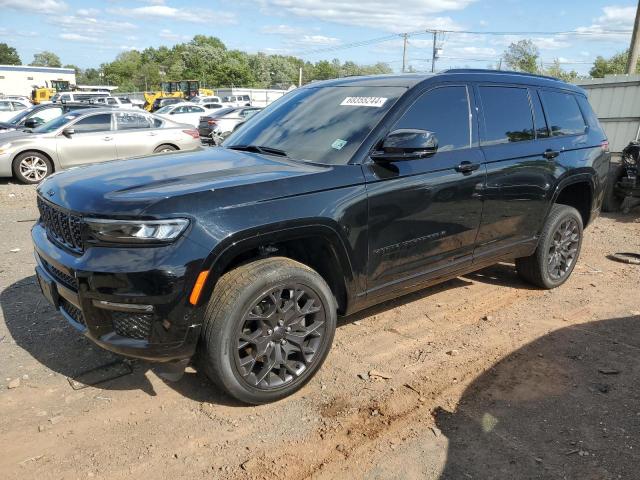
(222,346)
(612,202)
(567,212)
(160,148)
(16,167)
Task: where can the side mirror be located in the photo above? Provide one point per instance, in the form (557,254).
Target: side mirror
(32,122)
(406,144)
(68,132)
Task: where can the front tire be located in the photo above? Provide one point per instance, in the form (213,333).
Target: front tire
(558,249)
(32,167)
(268,328)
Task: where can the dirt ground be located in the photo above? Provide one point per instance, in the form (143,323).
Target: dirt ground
(482,377)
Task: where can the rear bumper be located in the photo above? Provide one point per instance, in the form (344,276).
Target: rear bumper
(144,314)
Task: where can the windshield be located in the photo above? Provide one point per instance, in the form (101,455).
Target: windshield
(164,109)
(15,120)
(323,125)
(56,123)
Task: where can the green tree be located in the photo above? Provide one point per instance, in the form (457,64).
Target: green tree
(46,59)
(522,56)
(9,55)
(555,70)
(605,66)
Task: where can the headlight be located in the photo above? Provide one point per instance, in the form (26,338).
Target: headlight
(136,231)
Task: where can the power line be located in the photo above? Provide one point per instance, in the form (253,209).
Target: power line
(397,36)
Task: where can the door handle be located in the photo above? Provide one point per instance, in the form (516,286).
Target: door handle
(550,154)
(467,167)
(107,139)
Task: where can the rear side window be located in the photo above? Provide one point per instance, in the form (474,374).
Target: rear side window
(507,115)
(443,111)
(587,112)
(130,121)
(563,114)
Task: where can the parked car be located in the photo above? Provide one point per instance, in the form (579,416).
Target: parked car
(237,100)
(116,102)
(40,114)
(88,136)
(202,100)
(225,124)
(22,98)
(207,123)
(78,96)
(159,103)
(342,194)
(184,112)
(10,108)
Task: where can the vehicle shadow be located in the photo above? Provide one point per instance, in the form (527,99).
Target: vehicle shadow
(563,406)
(40,330)
(631,217)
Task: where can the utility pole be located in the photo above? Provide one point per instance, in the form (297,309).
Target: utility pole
(404,53)
(300,77)
(433,54)
(634,49)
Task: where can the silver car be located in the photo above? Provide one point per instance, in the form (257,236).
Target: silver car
(88,136)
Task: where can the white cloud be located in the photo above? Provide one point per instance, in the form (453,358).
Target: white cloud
(87,12)
(282,30)
(171,13)
(171,36)
(401,16)
(318,40)
(35,6)
(550,43)
(74,37)
(606,26)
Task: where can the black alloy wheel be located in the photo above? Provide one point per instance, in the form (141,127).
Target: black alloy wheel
(279,336)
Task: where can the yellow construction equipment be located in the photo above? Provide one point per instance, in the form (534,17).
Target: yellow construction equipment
(44,94)
(182,89)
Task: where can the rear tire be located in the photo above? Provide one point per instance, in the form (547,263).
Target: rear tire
(165,149)
(558,249)
(612,202)
(32,167)
(268,328)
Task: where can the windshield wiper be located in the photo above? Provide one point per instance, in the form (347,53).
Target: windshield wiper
(259,149)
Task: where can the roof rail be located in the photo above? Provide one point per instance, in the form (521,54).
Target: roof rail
(503,72)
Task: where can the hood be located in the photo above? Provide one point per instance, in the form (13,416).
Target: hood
(191,180)
(15,136)
(6,126)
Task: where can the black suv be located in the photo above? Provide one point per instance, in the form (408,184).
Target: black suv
(37,115)
(339,196)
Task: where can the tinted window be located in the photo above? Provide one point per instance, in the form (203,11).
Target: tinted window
(111,101)
(563,114)
(325,125)
(443,111)
(5,106)
(129,121)
(507,115)
(538,115)
(94,123)
(587,112)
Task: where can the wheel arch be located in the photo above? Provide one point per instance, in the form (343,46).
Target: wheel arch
(318,246)
(577,191)
(168,144)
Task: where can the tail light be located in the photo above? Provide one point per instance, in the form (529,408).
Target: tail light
(211,121)
(605,145)
(192,133)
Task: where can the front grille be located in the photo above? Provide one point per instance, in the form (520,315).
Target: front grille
(60,276)
(71,310)
(61,226)
(132,325)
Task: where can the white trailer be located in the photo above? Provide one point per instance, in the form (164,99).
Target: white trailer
(21,79)
(260,97)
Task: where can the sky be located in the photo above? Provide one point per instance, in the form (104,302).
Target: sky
(89,32)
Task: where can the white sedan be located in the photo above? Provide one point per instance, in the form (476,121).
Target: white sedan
(10,108)
(184,112)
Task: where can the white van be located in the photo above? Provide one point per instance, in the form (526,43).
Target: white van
(64,97)
(237,101)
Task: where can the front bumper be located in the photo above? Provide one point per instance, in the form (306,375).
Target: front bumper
(131,301)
